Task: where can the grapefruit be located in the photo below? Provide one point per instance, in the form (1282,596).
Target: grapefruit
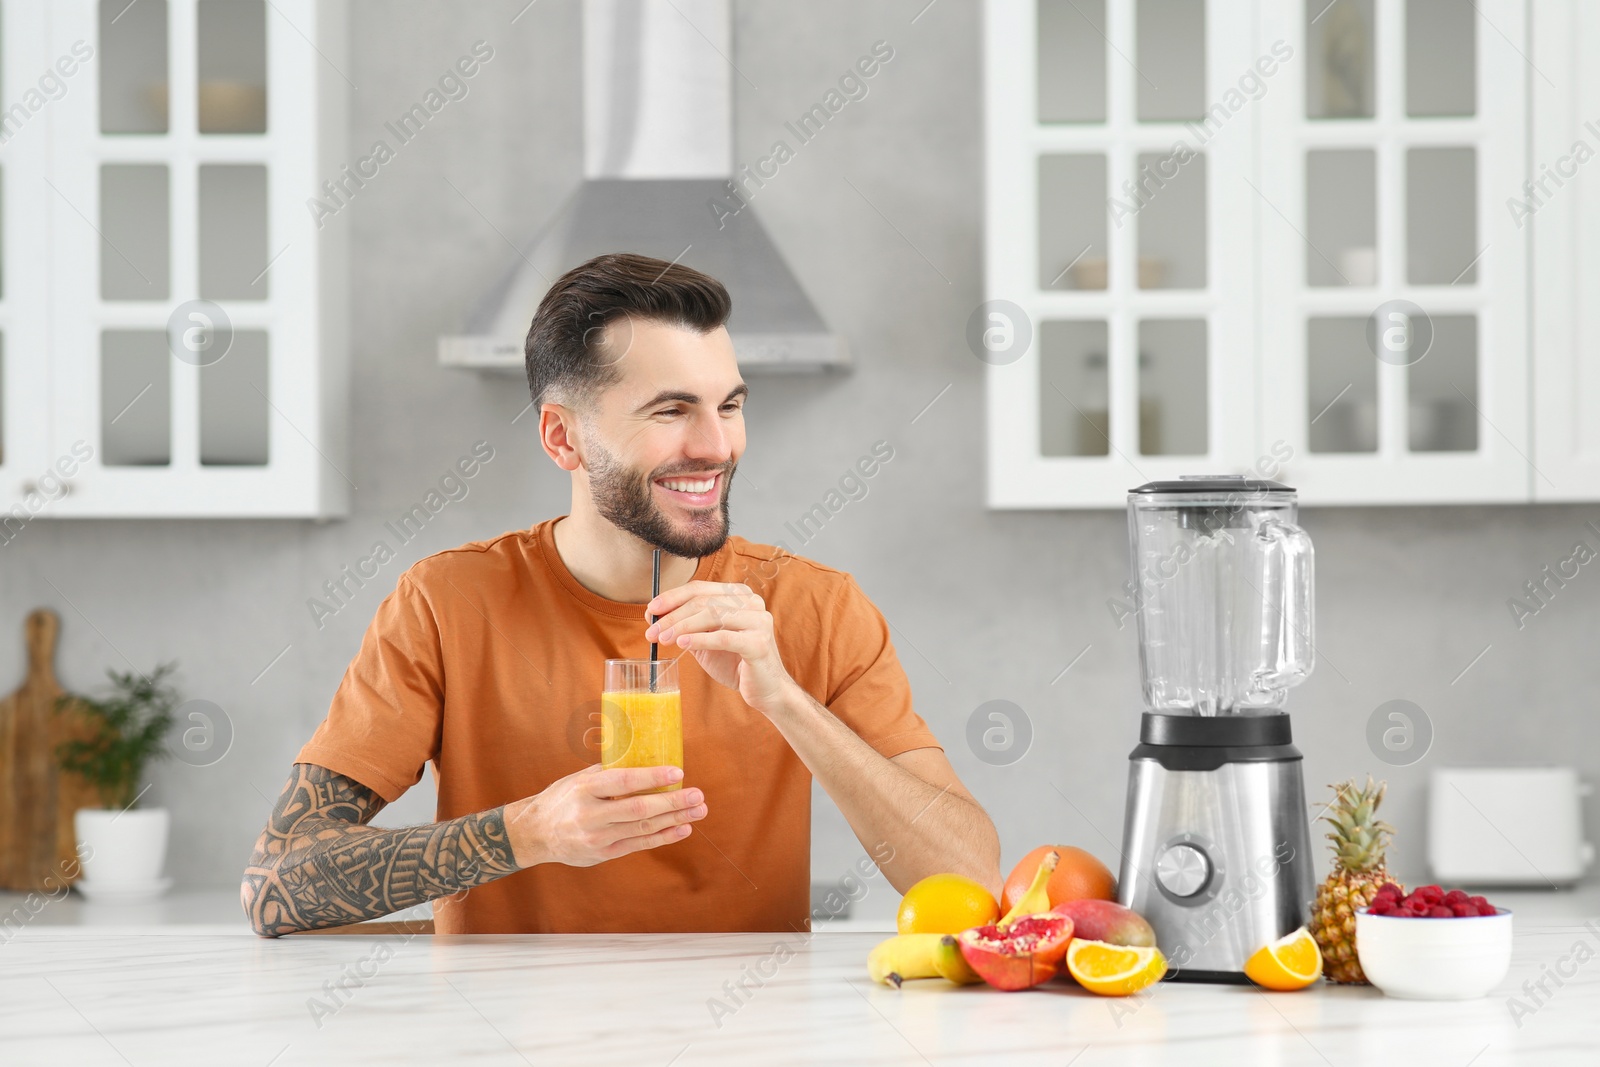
(1079,876)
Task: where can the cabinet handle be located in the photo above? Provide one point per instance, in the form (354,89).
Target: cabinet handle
(30,486)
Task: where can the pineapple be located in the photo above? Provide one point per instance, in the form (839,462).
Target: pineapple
(1359,840)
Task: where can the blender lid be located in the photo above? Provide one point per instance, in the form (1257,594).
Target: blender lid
(1212,483)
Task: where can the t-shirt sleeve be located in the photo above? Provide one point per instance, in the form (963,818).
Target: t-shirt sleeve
(383,725)
(867,688)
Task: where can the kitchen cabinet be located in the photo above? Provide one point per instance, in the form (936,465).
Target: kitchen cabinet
(1124,354)
(1561,212)
(1276,238)
(173,273)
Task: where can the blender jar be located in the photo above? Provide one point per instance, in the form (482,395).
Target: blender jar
(1222,590)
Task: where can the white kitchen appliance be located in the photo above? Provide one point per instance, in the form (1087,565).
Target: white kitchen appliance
(1507,826)
(1216,842)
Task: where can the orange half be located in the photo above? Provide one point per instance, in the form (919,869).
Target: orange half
(1114,970)
(1287,964)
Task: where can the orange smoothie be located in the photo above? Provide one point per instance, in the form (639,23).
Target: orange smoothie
(642,729)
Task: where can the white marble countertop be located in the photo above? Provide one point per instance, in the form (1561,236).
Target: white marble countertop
(90,995)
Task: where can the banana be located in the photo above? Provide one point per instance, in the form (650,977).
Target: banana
(904,956)
(951,964)
(1036,900)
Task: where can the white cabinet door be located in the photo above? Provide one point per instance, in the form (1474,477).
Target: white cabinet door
(194,301)
(1561,209)
(1117,326)
(1394,281)
(30,86)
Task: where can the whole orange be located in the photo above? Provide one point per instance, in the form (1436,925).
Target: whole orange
(1079,876)
(945,904)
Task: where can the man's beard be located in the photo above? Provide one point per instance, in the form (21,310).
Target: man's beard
(624,498)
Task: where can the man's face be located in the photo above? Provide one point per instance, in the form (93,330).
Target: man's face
(661,445)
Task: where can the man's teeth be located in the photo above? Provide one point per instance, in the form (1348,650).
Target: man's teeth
(684,486)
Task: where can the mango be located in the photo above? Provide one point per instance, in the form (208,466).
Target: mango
(1105,920)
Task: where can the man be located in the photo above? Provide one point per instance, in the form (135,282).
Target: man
(487,660)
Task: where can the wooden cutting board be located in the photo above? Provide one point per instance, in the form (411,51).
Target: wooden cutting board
(37,800)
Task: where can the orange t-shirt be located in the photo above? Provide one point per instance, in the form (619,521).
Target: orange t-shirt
(488,659)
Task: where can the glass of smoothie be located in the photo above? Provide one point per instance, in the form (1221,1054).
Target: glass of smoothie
(641,716)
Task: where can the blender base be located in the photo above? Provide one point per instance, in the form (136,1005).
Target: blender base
(1189,974)
(1216,841)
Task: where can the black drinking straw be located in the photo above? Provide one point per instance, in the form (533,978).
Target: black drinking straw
(655,591)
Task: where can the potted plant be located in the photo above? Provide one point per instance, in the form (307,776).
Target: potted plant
(123,847)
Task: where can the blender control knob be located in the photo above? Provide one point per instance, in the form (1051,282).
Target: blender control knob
(1184,870)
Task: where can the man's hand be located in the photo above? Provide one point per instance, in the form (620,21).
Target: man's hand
(588,817)
(729,630)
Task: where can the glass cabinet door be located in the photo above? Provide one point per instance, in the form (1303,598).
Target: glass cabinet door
(29,486)
(1393,302)
(1120,237)
(186,286)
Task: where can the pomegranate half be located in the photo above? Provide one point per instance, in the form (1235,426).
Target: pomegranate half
(1021,956)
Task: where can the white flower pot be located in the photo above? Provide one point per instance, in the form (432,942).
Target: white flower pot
(122,851)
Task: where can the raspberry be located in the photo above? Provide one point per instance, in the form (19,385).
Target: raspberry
(1418,907)
(1462,910)
(1455,896)
(1382,907)
(1439,911)
(1477,901)
(1391,889)
(1431,893)
(1487,909)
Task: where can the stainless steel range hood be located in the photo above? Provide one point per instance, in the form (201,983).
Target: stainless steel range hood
(657,121)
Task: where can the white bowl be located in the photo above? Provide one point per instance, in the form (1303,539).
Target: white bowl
(1434,959)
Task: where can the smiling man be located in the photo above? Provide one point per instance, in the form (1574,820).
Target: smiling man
(487,660)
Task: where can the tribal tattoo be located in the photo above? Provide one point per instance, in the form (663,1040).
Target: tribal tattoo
(317,864)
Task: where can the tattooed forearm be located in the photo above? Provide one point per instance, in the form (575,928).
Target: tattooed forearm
(316,864)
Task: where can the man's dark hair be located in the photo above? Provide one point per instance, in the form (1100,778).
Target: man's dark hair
(566,358)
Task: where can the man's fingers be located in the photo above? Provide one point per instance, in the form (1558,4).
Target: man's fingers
(740,641)
(675,817)
(649,805)
(655,840)
(706,613)
(671,599)
(620,781)
(713,618)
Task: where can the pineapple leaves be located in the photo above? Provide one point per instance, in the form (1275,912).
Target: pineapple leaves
(1358,837)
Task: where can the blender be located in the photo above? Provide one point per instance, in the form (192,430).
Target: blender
(1216,842)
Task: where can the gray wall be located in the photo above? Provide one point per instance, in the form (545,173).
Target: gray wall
(986,605)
